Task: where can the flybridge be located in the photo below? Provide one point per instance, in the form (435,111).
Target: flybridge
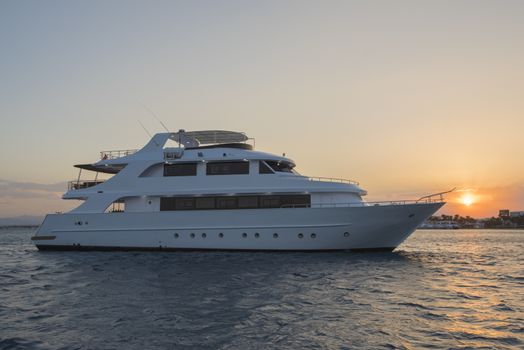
(188,139)
(206,137)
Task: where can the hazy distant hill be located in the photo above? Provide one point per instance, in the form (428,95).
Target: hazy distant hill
(21,220)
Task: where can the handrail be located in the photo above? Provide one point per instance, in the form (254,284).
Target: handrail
(117,153)
(332,179)
(359,204)
(81,184)
(439,195)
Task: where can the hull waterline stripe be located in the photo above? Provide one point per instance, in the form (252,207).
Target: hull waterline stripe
(176,249)
(205,228)
(43,238)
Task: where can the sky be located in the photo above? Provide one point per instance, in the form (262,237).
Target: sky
(407,97)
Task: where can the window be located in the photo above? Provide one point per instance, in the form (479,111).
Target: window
(205,203)
(235,202)
(226,203)
(282,166)
(247,202)
(185,203)
(227,168)
(295,201)
(263,168)
(269,201)
(167,203)
(180,169)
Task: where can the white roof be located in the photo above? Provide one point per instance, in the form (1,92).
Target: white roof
(195,138)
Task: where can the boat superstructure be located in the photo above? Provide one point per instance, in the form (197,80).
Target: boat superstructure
(214,191)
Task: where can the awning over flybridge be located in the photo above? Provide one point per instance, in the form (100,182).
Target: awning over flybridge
(205,137)
(102,168)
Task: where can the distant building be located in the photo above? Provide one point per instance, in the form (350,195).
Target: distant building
(516,214)
(440,224)
(504,213)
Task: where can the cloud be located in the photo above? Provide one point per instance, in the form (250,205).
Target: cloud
(13,190)
(29,198)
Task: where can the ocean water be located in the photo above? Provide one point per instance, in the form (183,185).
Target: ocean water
(438,290)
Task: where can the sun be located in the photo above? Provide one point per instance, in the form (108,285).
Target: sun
(467,200)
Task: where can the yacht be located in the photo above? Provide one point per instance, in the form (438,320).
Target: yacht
(210,190)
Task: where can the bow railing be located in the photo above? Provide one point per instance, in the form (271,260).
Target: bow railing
(432,198)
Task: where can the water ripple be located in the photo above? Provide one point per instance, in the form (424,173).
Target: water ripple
(440,290)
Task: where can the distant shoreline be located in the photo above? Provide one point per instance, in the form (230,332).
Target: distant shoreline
(471,228)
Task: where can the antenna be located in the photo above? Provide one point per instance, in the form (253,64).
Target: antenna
(154,116)
(143,127)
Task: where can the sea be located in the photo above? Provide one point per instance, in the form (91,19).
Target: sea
(441,289)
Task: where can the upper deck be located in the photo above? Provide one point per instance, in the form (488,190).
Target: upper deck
(203,163)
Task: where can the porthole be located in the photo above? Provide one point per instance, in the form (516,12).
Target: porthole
(85,222)
(346,234)
(275,235)
(300,235)
(204,235)
(244,235)
(313,235)
(221,235)
(257,235)
(176,235)
(192,235)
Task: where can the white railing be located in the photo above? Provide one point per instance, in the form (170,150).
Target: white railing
(116,153)
(332,179)
(432,198)
(361,204)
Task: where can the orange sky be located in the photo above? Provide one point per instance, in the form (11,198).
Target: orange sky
(485,202)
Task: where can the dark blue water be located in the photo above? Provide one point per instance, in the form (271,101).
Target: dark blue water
(439,290)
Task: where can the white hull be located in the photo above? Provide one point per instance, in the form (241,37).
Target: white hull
(361,227)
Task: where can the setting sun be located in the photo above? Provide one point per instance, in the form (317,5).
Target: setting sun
(467,200)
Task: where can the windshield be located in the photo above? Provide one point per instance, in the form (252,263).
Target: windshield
(282,166)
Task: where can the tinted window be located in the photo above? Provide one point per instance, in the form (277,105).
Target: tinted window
(180,169)
(285,167)
(246,202)
(205,203)
(235,202)
(295,201)
(185,203)
(227,168)
(226,203)
(263,168)
(167,203)
(270,201)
